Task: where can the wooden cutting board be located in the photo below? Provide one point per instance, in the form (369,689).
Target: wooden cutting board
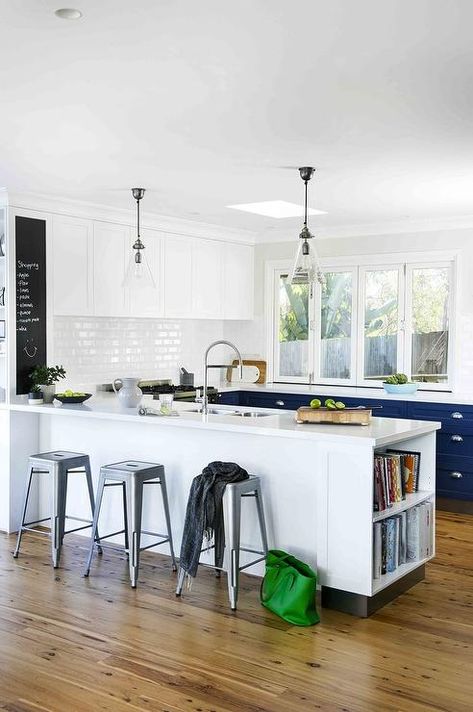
(251,375)
(347,416)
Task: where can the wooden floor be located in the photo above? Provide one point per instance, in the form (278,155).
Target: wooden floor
(69,644)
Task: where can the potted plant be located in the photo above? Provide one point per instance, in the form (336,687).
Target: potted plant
(46,378)
(399,383)
(35,396)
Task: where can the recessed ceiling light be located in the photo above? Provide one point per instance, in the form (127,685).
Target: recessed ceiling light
(68,13)
(276,209)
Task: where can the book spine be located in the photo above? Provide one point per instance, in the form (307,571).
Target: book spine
(377,546)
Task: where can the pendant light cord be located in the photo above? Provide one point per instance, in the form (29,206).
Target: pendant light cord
(305,204)
(138,217)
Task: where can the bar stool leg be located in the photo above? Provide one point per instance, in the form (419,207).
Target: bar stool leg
(125,521)
(233,507)
(90,487)
(219,552)
(180,581)
(168,519)
(58,501)
(64,476)
(23,517)
(94,534)
(134,497)
(261,519)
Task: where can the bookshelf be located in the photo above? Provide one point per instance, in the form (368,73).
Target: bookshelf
(348,582)
(411,501)
(425,494)
(401,571)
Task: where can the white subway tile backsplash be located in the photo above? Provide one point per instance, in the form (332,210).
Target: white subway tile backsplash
(97,350)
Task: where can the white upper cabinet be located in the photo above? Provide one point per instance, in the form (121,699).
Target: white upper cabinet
(72,266)
(110,243)
(238,294)
(177,276)
(207,279)
(195,278)
(146,300)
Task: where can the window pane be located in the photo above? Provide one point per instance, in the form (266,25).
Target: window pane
(336,316)
(381,323)
(430,293)
(293,328)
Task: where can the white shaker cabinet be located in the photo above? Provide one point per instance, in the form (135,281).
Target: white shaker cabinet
(147,300)
(72,266)
(110,243)
(207,279)
(238,271)
(177,276)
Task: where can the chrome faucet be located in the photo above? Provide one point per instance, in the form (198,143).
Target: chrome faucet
(205,398)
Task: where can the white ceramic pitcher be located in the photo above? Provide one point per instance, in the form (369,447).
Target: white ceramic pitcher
(128,392)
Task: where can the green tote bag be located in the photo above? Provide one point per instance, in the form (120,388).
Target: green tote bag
(288,588)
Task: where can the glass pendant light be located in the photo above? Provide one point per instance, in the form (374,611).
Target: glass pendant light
(138,273)
(306,268)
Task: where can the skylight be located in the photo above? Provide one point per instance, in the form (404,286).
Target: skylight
(276,209)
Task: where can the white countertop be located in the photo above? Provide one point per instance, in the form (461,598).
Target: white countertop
(382,431)
(350,392)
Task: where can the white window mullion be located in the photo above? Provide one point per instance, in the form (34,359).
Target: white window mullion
(315,332)
(407,331)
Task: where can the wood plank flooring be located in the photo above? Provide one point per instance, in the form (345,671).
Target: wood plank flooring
(69,644)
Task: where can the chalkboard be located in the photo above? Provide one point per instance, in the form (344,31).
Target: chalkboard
(30,244)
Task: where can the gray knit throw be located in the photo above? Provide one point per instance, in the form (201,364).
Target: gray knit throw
(204,514)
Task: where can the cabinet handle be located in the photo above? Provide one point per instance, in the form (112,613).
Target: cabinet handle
(279,402)
(457,415)
(456,439)
(456,475)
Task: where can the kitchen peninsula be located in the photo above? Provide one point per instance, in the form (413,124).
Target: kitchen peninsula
(317,480)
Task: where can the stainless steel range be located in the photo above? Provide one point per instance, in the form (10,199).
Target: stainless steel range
(181,393)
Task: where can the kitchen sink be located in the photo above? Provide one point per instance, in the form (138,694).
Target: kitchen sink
(215,411)
(251,414)
(234,413)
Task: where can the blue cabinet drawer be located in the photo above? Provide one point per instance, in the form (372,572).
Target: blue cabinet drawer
(455,476)
(230,398)
(453,417)
(284,401)
(455,443)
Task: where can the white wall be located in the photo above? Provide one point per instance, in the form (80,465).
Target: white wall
(251,335)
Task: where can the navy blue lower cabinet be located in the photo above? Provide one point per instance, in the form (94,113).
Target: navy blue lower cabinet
(456,443)
(454,477)
(230,398)
(284,401)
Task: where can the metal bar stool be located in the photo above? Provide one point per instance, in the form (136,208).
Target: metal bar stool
(232,518)
(59,465)
(132,475)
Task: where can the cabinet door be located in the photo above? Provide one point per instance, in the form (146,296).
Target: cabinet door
(72,266)
(207,279)
(238,301)
(177,277)
(146,300)
(110,242)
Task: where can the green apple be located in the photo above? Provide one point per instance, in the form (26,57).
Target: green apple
(315,403)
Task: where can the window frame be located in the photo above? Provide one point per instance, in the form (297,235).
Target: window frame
(277,274)
(360,343)
(359,265)
(325,380)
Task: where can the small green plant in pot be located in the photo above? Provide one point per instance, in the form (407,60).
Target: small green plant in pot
(399,383)
(46,377)
(35,396)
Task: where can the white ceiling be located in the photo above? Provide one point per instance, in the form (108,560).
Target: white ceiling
(207,103)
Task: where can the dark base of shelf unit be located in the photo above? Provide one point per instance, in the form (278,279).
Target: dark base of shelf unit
(459,506)
(363,606)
